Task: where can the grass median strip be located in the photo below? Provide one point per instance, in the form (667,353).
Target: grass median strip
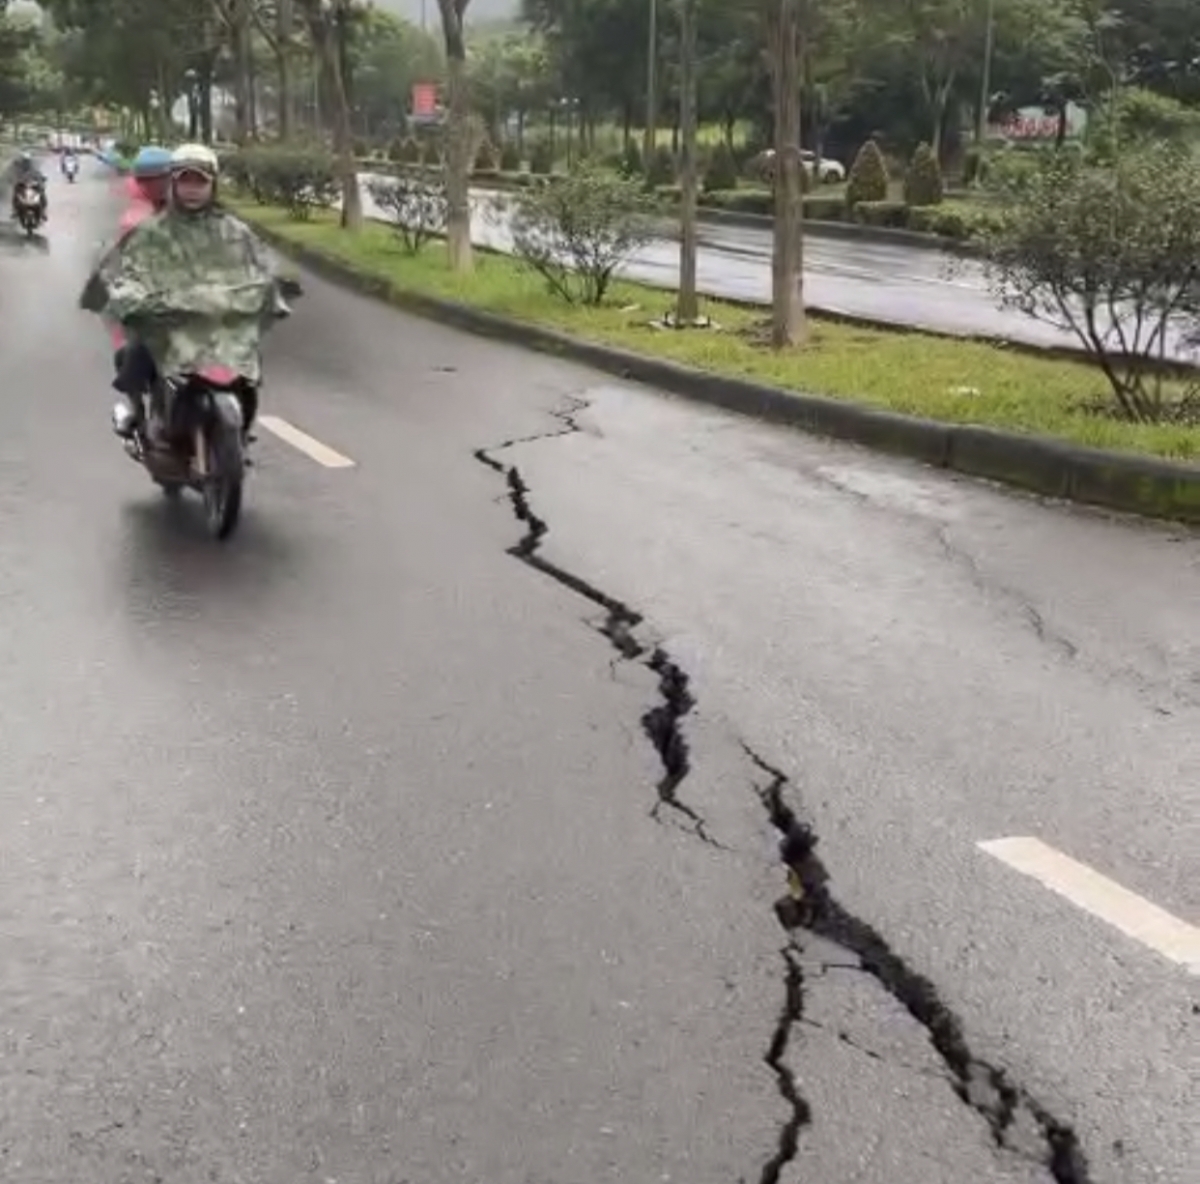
(961,382)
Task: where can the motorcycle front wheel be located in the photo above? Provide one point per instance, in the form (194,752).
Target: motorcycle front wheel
(223,486)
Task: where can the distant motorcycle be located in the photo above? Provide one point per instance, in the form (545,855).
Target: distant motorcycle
(71,168)
(28,203)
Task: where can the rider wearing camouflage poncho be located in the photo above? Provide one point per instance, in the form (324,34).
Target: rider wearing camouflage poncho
(192,283)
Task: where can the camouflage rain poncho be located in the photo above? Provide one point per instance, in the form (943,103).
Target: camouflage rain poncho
(197,290)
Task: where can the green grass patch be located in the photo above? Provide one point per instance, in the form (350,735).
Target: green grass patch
(912,373)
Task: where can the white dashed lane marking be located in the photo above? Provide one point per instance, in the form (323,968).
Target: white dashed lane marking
(1086,888)
(303,442)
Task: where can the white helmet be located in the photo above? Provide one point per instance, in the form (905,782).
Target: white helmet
(195,158)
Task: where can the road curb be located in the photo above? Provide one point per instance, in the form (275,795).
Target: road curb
(1123,482)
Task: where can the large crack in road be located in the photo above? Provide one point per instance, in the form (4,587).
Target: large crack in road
(987,1089)
(1014,1117)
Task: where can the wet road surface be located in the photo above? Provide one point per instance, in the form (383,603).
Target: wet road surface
(893,284)
(343,852)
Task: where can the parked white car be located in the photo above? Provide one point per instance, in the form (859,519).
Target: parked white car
(830,172)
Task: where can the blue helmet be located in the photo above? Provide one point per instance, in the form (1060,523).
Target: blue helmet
(152,161)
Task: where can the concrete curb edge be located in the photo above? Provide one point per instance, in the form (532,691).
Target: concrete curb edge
(1123,482)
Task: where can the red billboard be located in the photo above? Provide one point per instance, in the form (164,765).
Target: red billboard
(424,99)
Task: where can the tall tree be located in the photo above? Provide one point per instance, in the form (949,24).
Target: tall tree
(687,308)
(459,146)
(328,21)
(788,324)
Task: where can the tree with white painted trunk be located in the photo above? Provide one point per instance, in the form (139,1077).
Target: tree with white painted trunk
(458,141)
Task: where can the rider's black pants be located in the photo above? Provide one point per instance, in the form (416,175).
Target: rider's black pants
(135,369)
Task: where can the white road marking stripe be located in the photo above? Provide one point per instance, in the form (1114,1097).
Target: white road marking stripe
(303,442)
(1134,916)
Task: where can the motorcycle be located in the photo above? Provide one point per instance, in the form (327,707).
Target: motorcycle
(194,432)
(27,205)
(71,168)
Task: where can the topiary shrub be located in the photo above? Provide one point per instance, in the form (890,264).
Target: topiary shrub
(722,172)
(923,185)
(868,180)
(510,158)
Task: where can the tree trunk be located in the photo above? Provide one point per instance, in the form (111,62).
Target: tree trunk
(788,319)
(284,27)
(687,308)
(458,156)
(650,136)
(324,28)
(239,17)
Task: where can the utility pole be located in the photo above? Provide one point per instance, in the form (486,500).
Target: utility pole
(651,133)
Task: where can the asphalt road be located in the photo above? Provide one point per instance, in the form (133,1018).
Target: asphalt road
(900,285)
(331,854)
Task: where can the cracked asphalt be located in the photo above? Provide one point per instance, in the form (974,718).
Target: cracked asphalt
(436,828)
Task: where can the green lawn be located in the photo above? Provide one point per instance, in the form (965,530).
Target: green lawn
(917,374)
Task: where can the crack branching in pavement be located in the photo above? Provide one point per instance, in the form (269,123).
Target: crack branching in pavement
(985,1088)
(662,723)
(790,1016)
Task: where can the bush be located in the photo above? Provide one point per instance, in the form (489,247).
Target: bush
(299,179)
(541,159)
(923,185)
(416,205)
(578,231)
(722,172)
(742,202)
(510,158)
(632,164)
(1110,254)
(868,180)
(952,220)
(888,215)
(826,207)
(661,169)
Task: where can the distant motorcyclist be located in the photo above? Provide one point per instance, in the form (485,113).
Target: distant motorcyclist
(69,162)
(24,170)
(190,247)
